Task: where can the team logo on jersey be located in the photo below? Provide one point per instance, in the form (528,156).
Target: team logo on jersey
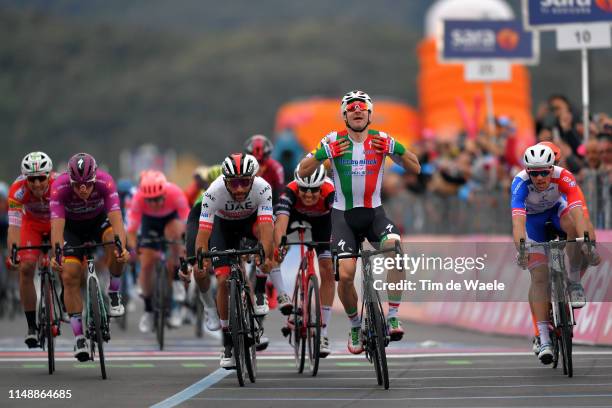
(266,188)
(237,206)
(209,196)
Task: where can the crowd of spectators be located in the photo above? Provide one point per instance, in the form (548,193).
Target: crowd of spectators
(476,171)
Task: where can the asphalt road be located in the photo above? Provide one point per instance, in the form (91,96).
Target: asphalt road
(431,366)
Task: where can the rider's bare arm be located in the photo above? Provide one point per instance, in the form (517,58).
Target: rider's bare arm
(518,229)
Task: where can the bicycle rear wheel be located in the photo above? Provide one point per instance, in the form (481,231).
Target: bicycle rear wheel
(313,333)
(299,344)
(566,339)
(95,299)
(161,304)
(237,330)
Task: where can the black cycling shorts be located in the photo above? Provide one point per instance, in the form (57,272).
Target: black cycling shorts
(227,234)
(152,228)
(78,232)
(351,226)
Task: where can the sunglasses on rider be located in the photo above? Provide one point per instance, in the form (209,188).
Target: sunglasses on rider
(313,190)
(154,200)
(87,184)
(239,182)
(33,179)
(353,106)
(543,173)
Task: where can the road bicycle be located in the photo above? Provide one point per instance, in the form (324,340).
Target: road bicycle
(374,326)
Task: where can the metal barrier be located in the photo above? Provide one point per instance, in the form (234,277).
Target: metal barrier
(484,211)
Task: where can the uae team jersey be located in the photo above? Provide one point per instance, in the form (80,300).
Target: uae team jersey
(217,202)
(527,200)
(358,173)
(65,203)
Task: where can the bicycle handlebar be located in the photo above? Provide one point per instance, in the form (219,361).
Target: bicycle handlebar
(116,241)
(363,253)
(257,250)
(309,244)
(162,241)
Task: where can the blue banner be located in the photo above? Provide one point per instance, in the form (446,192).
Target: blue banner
(487,39)
(549,13)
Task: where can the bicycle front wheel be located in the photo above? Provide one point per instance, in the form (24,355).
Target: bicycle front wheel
(299,344)
(236,329)
(95,299)
(161,304)
(46,319)
(250,338)
(313,333)
(566,338)
(377,340)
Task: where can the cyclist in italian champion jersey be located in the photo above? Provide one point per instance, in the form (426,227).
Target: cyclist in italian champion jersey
(308,199)
(29,224)
(357,156)
(85,208)
(235,206)
(544,192)
(159,209)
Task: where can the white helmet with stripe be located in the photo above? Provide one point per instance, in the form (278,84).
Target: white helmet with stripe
(36,164)
(539,156)
(316,179)
(356,96)
(239,165)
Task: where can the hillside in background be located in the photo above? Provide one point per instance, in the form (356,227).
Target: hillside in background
(73,82)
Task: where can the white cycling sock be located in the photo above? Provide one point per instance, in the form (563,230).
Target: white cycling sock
(325,317)
(207,298)
(277,280)
(544,334)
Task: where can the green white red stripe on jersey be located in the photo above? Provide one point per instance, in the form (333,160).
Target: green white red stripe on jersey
(358,173)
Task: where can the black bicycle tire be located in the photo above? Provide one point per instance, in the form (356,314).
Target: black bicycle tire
(299,346)
(372,350)
(568,368)
(122,321)
(94,298)
(162,288)
(46,289)
(250,338)
(236,331)
(313,334)
(379,343)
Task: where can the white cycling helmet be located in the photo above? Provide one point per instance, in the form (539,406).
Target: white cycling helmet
(239,165)
(356,96)
(36,164)
(314,180)
(539,156)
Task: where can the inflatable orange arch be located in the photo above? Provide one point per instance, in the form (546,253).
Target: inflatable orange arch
(311,119)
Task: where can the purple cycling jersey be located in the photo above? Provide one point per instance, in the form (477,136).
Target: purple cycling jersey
(65,203)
